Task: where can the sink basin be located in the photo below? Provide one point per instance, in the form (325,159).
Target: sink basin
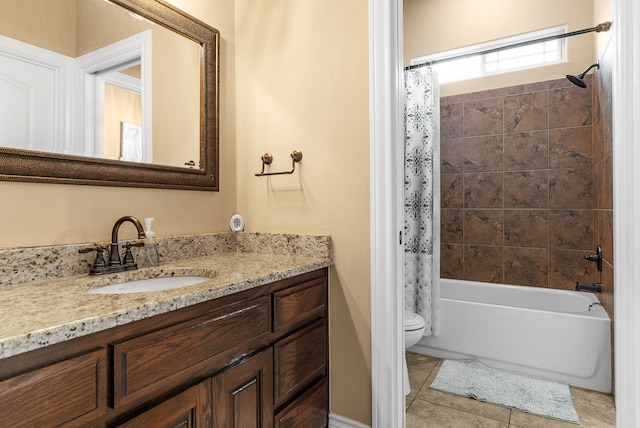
(151,284)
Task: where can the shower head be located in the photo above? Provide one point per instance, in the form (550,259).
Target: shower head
(579,79)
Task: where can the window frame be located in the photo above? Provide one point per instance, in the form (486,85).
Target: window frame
(479,53)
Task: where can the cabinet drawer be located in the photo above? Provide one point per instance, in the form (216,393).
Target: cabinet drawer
(72,390)
(309,410)
(298,359)
(163,359)
(296,305)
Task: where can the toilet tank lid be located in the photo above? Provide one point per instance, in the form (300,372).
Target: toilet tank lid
(412,320)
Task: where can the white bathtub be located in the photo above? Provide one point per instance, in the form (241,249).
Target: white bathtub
(540,331)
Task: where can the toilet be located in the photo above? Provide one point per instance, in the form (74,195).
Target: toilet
(413,330)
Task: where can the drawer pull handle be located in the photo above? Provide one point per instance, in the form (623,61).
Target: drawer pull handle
(245,386)
(225,316)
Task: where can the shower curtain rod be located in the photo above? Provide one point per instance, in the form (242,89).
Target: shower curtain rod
(605,26)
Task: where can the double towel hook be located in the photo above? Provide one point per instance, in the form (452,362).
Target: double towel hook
(267,158)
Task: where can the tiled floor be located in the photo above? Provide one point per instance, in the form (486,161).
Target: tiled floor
(429,408)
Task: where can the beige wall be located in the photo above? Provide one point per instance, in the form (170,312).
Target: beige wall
(432,26)
(302,73)
(120,105)
(602,12)
(35,214)
(49,24)
(176,94)
(100,24)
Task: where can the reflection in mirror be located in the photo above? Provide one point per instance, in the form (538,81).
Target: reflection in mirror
(107,40)
(119,81)
(110,97)
(122,115)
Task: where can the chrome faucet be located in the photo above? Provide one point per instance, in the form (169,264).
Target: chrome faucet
(114,254)
(594,304)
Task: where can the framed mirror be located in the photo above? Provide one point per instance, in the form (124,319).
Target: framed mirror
(116,93)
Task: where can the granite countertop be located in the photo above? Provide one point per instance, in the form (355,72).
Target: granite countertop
(40,313)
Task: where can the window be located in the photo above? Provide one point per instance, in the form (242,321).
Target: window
(476,64)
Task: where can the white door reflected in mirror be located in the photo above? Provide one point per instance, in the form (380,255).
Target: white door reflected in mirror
(71,82)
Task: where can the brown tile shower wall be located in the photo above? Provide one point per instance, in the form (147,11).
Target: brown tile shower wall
(603,174)
(603,184)
(517,185)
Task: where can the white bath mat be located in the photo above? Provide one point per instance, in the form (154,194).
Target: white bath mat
(531,394)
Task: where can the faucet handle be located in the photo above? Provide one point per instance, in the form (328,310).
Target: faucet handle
(128,261)
(128,245)
(99,265)
(597,258)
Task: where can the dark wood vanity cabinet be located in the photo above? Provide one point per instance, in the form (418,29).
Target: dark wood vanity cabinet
(258,358)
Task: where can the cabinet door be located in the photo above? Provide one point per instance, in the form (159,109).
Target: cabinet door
(242,395)
(69,392)
(189,409)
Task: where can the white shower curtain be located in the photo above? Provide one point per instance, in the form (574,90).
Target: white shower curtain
(422,196)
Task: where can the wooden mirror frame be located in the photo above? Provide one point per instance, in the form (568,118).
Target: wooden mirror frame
(33,166)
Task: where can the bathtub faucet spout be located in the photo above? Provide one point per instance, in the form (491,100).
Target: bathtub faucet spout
(589,287)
